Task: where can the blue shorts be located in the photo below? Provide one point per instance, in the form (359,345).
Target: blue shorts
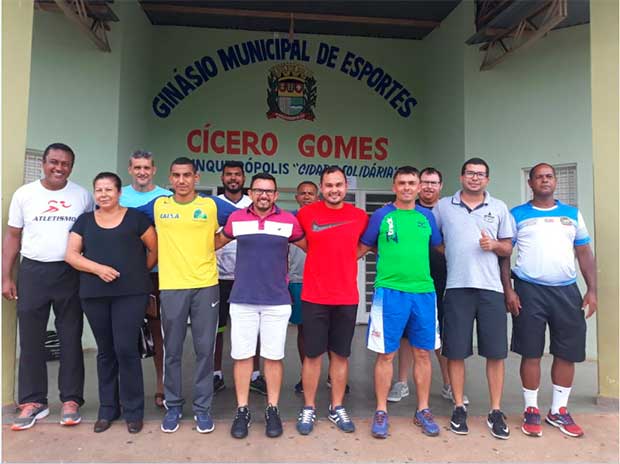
(395,313)
(295,290)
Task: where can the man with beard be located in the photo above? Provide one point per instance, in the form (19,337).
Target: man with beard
(233,179)
(329,295)
(476,230)
(260,302)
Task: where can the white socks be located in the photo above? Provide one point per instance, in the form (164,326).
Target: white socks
(531,398)
(255,375)
(218,374)
(560,398)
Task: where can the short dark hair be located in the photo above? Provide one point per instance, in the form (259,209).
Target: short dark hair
(142,154)
(475,161)
(431,170)
(234,164)
(183,160)
(533,170)
(109,175)
(406,170)
(307,182)
(61,147)
(264,176)
(331,170)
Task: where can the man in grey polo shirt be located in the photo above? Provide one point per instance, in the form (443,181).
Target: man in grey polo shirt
(477,230)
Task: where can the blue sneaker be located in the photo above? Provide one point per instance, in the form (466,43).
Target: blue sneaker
(424,419)
(380,425)
(204,423)
(171,419)
(340,417)
(305,420)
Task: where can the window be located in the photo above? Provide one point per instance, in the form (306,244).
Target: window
(566,188)
(32,165)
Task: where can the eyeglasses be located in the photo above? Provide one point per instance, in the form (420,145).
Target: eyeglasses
(259,192)
(430,183)
(472,174)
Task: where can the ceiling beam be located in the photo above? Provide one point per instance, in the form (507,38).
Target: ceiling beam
(320,17)
(75,10)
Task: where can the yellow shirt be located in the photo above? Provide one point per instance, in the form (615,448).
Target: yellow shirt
(186,243)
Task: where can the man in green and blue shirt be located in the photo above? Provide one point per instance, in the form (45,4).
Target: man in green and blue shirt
(404,300)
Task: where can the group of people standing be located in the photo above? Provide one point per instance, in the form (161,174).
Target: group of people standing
(442,265)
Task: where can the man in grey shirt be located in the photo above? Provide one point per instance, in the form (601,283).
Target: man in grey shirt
(476,230)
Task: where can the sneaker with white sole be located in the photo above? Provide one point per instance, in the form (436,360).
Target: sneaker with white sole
(497,423)
(458,422)
(564,422)
(172,419)
(446,392)
(305,420)
(398,391)
(204,423)
(70,414)
(29,414)
(340,417)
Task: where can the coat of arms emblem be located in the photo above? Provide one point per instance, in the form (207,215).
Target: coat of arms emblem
(291,92)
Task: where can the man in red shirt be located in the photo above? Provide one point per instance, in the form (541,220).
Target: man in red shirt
(329,295)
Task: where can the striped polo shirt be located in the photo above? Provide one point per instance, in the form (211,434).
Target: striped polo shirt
(262,255)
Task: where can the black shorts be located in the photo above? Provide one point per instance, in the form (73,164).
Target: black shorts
(225,289)
(560,307)
(463,306)
(328,327)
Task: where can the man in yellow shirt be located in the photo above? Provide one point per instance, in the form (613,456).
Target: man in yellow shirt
(186,224)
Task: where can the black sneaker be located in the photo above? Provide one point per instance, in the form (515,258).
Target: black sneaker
(218,383)
(458,423)
(259,385)
(273,424)
(299,388)
(241,423)
(497,424)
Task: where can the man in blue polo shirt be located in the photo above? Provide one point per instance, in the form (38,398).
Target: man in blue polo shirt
(260,302)
(476,231)
(548,236)
(141,191)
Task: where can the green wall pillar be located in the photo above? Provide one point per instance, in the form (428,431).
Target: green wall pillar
(16,48)
(604,56)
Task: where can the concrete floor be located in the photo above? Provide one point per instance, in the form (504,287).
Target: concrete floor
(327,444)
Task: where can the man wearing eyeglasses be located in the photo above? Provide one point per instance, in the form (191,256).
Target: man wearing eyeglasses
(477,230)
(233,180)
(260,302)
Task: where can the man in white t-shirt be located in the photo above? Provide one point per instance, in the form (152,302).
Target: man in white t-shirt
(141,191)
(40,217)
(233,179)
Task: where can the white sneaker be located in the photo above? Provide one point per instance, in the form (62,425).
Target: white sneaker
(446,392)
(398,391)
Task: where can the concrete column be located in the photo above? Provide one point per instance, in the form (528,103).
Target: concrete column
(604,56)
(16,48)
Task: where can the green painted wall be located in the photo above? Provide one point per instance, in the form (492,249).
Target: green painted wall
(535,106)
(74,94)
(136,36)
